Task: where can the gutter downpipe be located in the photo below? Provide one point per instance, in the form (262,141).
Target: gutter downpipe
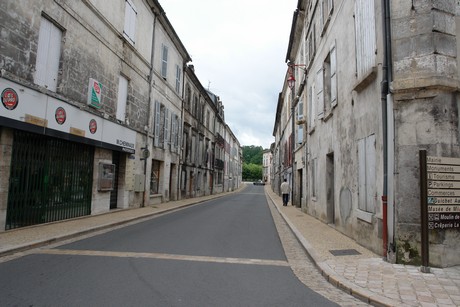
(388,134)
(151,83)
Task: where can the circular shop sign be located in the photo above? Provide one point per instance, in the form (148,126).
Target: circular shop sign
(10,99)
(92,126)
(60,115)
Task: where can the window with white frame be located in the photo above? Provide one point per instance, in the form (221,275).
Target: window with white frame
(178,78)
(122,97)
(366,174)
(164,61)
(48,55)
(129,31)
(365,37)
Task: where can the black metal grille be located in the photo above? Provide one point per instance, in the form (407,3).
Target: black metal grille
(50,180)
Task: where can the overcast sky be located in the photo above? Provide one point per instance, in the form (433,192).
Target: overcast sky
(238,48)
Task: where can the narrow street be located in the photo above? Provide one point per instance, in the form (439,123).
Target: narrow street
(224,252)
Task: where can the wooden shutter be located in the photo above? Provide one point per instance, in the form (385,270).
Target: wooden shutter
(320,93)
(156,124)
(122,96)
(333,59)
(48,55)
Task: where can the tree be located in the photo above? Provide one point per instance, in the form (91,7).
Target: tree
(252,171)
(253,154)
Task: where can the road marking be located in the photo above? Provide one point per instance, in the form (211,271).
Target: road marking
(163,256)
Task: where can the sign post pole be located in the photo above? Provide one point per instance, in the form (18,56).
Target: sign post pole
(424,212)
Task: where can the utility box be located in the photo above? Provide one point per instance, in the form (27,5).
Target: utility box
(139,180)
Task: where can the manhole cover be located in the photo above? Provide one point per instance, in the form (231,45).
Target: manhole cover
(344,252)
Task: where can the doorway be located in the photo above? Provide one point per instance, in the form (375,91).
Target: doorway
(330,183)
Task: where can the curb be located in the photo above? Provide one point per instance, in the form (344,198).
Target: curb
(334,279)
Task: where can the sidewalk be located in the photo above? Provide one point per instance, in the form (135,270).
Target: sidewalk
(364,275)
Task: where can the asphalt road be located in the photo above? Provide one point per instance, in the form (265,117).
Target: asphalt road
(224,252)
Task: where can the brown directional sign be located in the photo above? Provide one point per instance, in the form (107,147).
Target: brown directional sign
(443,192)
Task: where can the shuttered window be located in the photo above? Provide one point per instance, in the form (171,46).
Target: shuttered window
(365,37)
(366,174)
(122,97)
(320,93)
(164,61)
(48,55)
(130,21)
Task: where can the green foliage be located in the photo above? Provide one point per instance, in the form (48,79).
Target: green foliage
(253,154)
(252,171)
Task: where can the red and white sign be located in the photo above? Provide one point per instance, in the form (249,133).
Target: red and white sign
(10,99)
(60,115)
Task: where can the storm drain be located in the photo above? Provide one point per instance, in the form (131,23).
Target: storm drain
(344,252)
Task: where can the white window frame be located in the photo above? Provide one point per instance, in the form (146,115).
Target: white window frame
(48,55)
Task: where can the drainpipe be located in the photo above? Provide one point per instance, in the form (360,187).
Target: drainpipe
(386,98)
(149,107)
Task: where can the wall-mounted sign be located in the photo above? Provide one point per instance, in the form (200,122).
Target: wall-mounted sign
(55,117)
(93,126)
(94,93)
(60,115)
(10,99)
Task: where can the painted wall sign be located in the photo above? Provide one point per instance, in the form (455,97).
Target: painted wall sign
(60,115)
(10,98)
(94,93)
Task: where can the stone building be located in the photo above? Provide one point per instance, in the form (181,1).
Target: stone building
(373,83)
(91,114)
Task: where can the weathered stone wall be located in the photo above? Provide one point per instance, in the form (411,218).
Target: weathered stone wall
(426,116)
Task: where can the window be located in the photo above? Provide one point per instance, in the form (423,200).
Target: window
(311,107)
(130,21)
(365,39)
(310,48)
(300,120)
(327,6)
(164,61)
(175,125)
(320,93)
(48,54)
(155,177)
(161,126)
(122,97)
(178,77)
(366,174)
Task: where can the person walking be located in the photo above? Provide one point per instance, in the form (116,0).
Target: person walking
(285,189)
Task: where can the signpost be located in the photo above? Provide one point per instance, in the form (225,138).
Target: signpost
(439,197)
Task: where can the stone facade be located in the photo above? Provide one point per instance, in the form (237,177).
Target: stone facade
(357,140)
(110,77)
